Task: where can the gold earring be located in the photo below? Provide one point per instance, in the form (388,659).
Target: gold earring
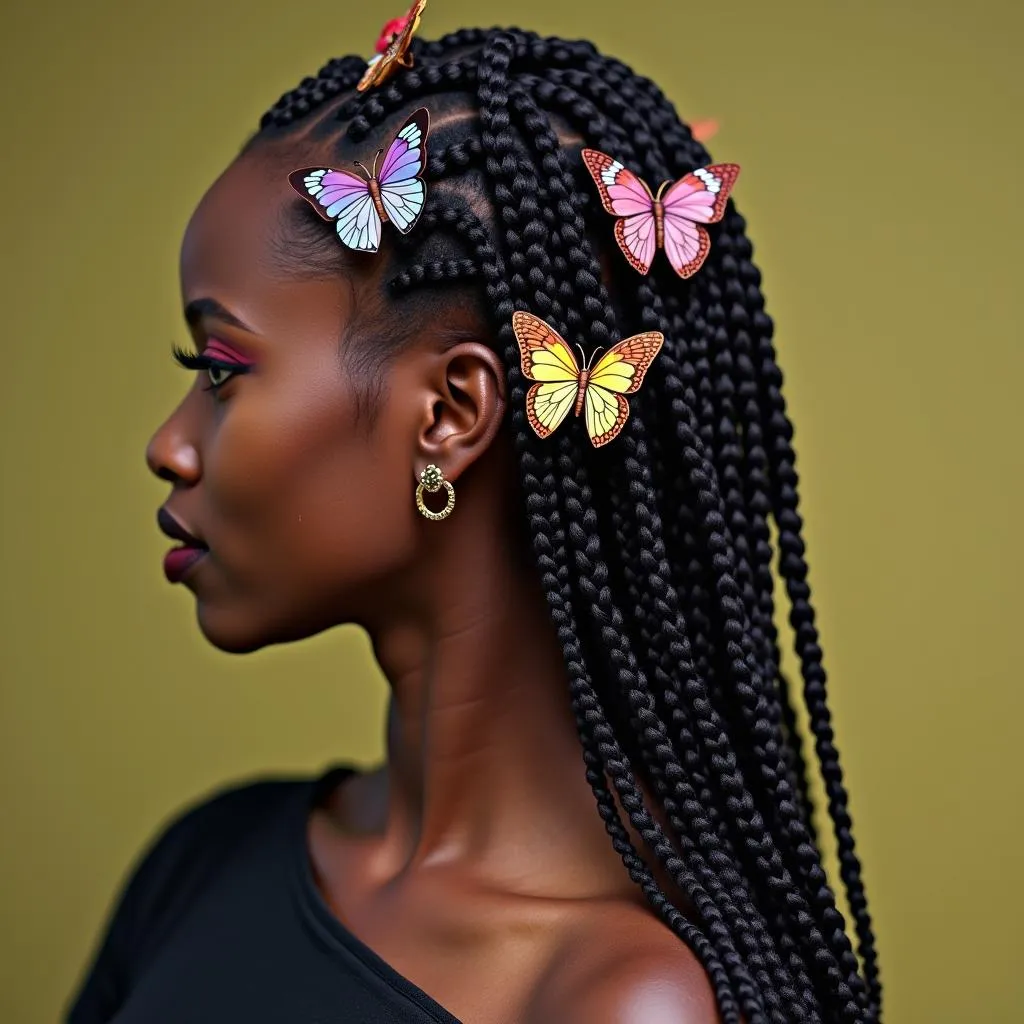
(432,479)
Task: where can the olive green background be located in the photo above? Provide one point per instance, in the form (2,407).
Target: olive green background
(881,152)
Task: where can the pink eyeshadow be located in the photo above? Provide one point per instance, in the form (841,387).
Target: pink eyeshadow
(217,349)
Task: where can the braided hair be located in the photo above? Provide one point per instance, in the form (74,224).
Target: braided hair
(656,554)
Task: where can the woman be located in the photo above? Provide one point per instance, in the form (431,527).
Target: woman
(594,805)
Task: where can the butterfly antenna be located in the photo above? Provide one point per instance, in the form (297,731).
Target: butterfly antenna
(661,190)
(362,168)
(593,355)
(375,159)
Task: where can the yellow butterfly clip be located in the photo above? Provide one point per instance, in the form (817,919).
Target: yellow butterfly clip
(560,384)
(398,37)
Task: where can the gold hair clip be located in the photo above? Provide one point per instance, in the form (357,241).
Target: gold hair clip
(392,47)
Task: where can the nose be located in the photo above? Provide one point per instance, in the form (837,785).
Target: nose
(171,455)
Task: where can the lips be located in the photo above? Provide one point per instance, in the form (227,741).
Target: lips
(178,561)
(170,527)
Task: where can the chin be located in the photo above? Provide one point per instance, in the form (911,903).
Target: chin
(240,632)
(230,637)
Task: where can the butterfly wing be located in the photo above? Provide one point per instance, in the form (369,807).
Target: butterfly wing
(359,226)
(344,198)
(619,372)
(548,361)
(622,192)
(637,238)
(380,66)
(402,190)
(699,198)
(329,192)
(625,195)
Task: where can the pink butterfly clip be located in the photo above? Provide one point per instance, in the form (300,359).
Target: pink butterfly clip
(670,220)
(358,206)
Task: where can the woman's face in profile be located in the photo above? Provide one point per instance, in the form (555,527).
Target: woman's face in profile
(304,506)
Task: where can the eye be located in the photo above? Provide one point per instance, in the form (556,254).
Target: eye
(218,371)
(220,374)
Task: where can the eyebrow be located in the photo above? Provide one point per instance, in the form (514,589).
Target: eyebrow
(199,309)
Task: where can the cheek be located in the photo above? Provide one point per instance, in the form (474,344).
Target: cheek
(350,518)
(307,502)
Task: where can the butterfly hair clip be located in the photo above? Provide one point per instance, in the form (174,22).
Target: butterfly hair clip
(392,47)
(359,205)
(671,220)
(598,388)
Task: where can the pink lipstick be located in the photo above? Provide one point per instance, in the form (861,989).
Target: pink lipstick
(178,561)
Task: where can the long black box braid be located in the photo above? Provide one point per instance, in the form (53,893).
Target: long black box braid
(656,553)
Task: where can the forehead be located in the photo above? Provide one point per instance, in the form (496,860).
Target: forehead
(234,228)
(234,246)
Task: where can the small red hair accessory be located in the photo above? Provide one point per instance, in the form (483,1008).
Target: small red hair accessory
(704,129)
(392,47)
(390,32)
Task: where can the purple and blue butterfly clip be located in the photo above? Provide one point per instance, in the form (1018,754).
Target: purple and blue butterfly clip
(358,206)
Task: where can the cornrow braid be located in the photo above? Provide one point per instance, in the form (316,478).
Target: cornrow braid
(337,76)
(655,554)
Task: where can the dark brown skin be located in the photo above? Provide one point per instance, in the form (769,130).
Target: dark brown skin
(475,862)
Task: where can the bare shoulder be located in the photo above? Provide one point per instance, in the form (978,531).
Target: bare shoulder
(625,967)
(652,987)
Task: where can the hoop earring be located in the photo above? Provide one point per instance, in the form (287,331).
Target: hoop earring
(432,479)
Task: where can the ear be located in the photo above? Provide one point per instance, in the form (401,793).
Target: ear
(463,408)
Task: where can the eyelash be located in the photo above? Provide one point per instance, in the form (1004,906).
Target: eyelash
(195,361)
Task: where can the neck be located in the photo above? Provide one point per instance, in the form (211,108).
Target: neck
(484,762)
